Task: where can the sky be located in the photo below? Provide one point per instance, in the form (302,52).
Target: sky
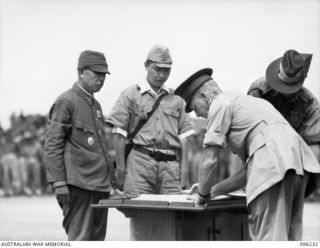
(40,42)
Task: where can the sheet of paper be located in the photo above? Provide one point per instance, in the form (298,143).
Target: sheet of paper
(168,198)
(220,197)
(238,193)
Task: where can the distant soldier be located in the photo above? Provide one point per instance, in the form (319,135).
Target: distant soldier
(29,153)
(11,175)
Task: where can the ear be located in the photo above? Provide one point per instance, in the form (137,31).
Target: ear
(83,73)
(203,96)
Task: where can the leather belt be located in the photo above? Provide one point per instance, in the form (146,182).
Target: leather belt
(156,155)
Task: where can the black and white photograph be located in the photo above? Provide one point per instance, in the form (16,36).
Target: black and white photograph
(159,120)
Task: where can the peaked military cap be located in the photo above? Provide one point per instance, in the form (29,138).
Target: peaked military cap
(189,87)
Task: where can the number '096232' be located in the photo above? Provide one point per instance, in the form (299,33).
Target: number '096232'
(309,243)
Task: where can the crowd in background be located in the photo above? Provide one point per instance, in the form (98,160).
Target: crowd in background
(22,169)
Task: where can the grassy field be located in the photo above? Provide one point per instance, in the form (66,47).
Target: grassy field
(39,218)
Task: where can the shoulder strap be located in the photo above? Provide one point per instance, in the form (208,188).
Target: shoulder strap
(143,121)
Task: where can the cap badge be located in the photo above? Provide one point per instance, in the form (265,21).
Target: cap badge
(90,141)
(164,57)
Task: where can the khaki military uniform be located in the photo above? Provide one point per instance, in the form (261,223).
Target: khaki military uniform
(162,132)
(302,111)
(275,156)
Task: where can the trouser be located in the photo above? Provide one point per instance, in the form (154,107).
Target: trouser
(147,176)
(11,174)
(81,221)
(30,174)
(276,214)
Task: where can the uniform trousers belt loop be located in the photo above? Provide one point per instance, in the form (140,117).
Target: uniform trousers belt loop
(157,155)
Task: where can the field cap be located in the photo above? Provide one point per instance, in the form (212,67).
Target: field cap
(190,86)
(161,56)
(287,73)
(94,61)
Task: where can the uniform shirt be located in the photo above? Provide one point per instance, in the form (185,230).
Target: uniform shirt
(302,110)
(233,116)
(75,151)
(168,124)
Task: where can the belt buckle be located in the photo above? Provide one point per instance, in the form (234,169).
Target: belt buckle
(158,156)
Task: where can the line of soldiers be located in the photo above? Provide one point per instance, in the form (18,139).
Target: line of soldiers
(22,170)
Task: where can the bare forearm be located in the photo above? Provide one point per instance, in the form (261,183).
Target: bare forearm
(235,182)
(184,163)
(120,143)
(207,169)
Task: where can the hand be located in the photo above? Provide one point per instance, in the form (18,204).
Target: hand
(116,194)
(193,189)
(198,199)
(194,197)
(120,179)
(62,194)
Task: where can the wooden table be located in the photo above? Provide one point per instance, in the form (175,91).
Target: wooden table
(162,220)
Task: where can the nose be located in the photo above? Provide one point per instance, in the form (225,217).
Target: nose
(160,74)
(102,78)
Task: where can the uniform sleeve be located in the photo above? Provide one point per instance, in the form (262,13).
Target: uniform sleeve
(121,112)
(219,123)
(310,129)
(258,87)
(186,125)
(58,131)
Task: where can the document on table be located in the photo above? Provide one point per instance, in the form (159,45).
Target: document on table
(184,197)
(167,198)
(232,195)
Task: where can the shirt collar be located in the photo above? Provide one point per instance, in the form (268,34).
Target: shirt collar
(83,93)
(145,87)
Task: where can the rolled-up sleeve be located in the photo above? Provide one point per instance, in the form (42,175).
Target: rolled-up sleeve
(54,147)
(219,122)
(120,114)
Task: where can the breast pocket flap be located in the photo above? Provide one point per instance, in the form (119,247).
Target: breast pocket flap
(83,126)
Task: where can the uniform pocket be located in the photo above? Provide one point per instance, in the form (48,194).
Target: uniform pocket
(256,144)
(171,112)
(84,135)
(84,127)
